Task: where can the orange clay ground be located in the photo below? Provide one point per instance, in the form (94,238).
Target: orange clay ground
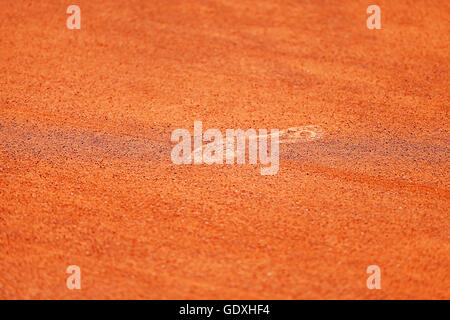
(86,176)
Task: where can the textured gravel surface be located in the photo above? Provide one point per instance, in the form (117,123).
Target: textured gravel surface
(85,171)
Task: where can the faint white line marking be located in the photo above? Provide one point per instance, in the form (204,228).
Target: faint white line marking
(300,134)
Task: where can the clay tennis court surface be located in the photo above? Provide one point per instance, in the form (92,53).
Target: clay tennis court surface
(86,176)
